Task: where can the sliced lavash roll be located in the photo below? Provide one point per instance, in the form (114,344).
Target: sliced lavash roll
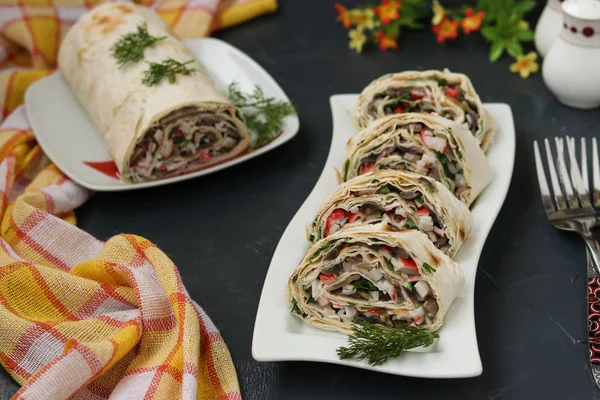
(151,132)
(386,277)
(448,94)
(426,144)
(403,200)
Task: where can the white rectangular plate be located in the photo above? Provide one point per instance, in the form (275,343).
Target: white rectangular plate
(67,135)
(280,336)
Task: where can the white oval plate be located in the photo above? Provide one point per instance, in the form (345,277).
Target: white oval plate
(280,336)
(67,135)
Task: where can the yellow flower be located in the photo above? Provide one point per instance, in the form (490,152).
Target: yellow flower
(523,25)
(363,18)
(357,39)
(526,65)
(438,13)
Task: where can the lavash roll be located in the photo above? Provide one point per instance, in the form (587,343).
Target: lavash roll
(448,94)
(151,132)
(426,144)
(333,283)
(401,199)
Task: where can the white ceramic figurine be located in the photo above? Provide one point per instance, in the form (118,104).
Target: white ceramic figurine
(571,68)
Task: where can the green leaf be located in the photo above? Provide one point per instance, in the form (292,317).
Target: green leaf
(514,48)
(496,51)
(525,35)
(523,7)
(489,33)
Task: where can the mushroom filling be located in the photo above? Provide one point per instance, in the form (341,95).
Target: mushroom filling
(439,159)
(413,214)
(185,137)
(421,99)
(355,286)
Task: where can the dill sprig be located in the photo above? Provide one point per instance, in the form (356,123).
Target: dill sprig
(166,69)
(378,344)
(131,46)
(263,115)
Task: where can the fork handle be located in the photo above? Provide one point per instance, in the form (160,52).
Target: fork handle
(593,252)
(593,289)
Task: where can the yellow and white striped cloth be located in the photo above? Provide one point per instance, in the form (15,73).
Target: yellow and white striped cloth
(80,318)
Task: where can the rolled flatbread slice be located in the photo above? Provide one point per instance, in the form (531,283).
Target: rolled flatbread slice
(448,94)
(426,144)
(386,277)
(151,132)
(401,199)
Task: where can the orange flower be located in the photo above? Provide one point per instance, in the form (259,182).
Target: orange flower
(386,41)
(472,20)
(446,29)
(343,15)
(388,11)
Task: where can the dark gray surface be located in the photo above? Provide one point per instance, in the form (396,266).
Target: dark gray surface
(221,230)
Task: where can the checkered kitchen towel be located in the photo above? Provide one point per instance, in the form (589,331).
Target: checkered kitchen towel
(80,318)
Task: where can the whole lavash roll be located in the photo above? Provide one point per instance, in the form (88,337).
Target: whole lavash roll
(151,132)
(403,200)
(386,277)
(448,94)
(426,144)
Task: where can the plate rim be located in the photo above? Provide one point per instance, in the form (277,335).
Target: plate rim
(291,129)
(476,368)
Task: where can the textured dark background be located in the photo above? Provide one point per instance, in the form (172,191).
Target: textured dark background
(221,230)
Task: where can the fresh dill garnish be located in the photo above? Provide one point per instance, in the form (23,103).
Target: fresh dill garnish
(131,46)
(169,69)
(378,344)
(263,115)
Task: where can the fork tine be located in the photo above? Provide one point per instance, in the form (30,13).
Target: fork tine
(595,173)
(544,190)
(584,167)
(563,176)
(576,179)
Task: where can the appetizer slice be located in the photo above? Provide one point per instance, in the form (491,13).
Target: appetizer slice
(450,95)
(385,277)
(401,199)
(426,144)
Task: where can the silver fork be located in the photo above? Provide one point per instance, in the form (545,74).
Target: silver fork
(573,210)
(577,213)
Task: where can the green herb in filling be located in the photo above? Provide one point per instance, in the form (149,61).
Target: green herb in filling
(311,238)
(444,161)
(440,81)
(295,278)
(409,225)
(389,264)
(409,286)
(428,268)
(375,180)
(311,301)
(180,141)
(296,310)
(422,199)
(384,190)
(346,167)
(364,284)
